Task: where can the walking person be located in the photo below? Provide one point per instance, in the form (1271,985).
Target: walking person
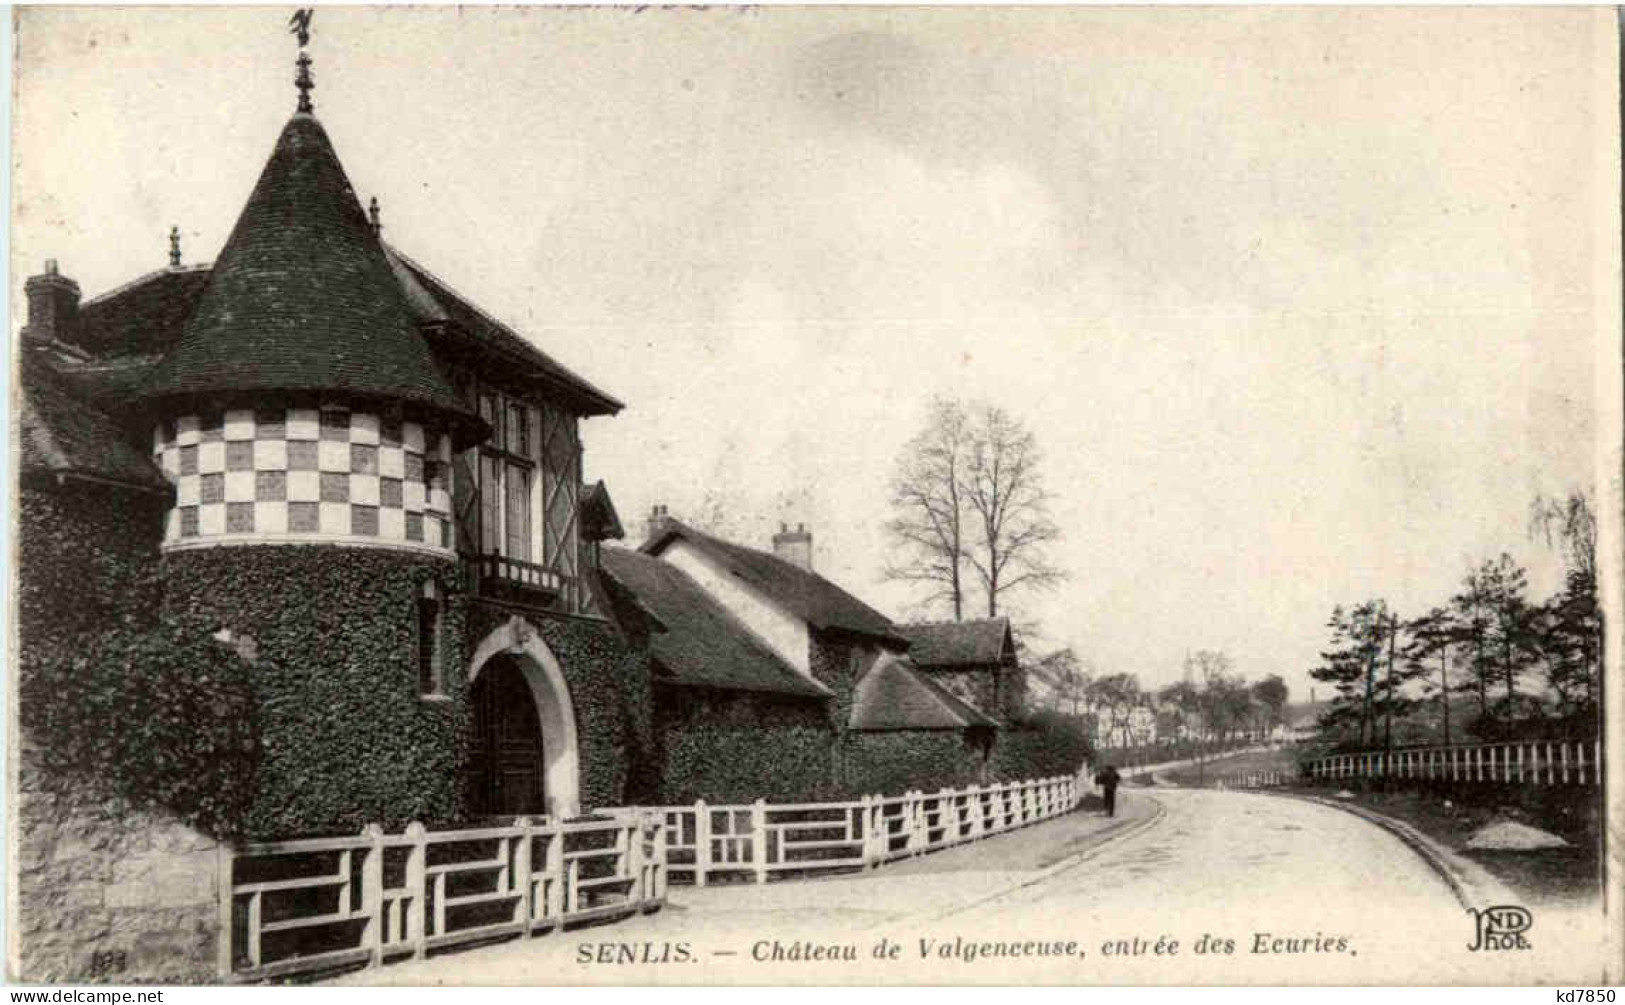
(1107,778)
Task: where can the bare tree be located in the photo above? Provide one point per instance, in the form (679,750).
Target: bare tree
(1571,524)
(1009,506)
(968,503)
(927,528)
(1573,620)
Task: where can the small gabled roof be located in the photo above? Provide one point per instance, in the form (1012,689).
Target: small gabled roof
(433,302)
(959,643)
(702,644)
(808,595)
(303,299)
(895,695)
(599,521)
(60,434)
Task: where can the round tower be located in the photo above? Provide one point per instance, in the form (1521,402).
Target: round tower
(301,403)
(309,435)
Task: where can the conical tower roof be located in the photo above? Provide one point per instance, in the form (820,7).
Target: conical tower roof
(303,299)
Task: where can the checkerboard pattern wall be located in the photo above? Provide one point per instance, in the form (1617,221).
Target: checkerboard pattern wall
(260,475)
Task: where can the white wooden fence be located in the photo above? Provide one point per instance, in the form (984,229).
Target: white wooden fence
(1525,762)
(1256,780)
(293,907)
(298,906)
(758,841)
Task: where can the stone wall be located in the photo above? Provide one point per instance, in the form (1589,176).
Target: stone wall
(109,895)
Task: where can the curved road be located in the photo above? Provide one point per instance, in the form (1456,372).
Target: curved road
(1283,880)
(1303,893)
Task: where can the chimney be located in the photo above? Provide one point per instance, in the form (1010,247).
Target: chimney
(659,518)
(794,546)
(53,306)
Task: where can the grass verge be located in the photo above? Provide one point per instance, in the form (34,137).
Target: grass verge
(1451,815)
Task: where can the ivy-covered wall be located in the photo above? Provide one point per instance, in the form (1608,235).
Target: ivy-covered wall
(1044,746)
(608,677)
(346,738)
(979,686)
(893,762)
(734,747)
(85,560)
(835,662)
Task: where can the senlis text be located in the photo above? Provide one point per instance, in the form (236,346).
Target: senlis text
(618,953)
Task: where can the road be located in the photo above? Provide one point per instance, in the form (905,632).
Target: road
(1284,891)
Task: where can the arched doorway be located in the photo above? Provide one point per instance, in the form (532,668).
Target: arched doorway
(524,756)
(507,759)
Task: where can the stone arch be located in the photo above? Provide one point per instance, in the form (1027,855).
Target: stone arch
(519,639)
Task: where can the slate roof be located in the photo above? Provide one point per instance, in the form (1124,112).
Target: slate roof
(702,644)
(60,434)
(303,297)
(896,695)
(957,643)
(433,302)
(144,316)
(808,595)
(147,315)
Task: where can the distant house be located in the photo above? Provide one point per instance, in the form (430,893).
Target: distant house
(1299,722)
(740,624)
(1142,724)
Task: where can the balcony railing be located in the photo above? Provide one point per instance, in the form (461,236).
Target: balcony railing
(500,570)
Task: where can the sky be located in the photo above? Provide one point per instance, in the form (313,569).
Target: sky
(1302,305)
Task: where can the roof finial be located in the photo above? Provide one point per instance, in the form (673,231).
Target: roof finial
(299,25)
(174,247)
(372,217)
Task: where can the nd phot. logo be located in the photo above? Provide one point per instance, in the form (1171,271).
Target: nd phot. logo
(1500,928)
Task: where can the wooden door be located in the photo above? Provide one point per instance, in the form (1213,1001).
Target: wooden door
(508,760)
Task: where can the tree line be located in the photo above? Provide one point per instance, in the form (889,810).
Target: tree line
(1488,663)
(1212,704)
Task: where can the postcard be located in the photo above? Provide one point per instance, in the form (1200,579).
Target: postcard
(815,496)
